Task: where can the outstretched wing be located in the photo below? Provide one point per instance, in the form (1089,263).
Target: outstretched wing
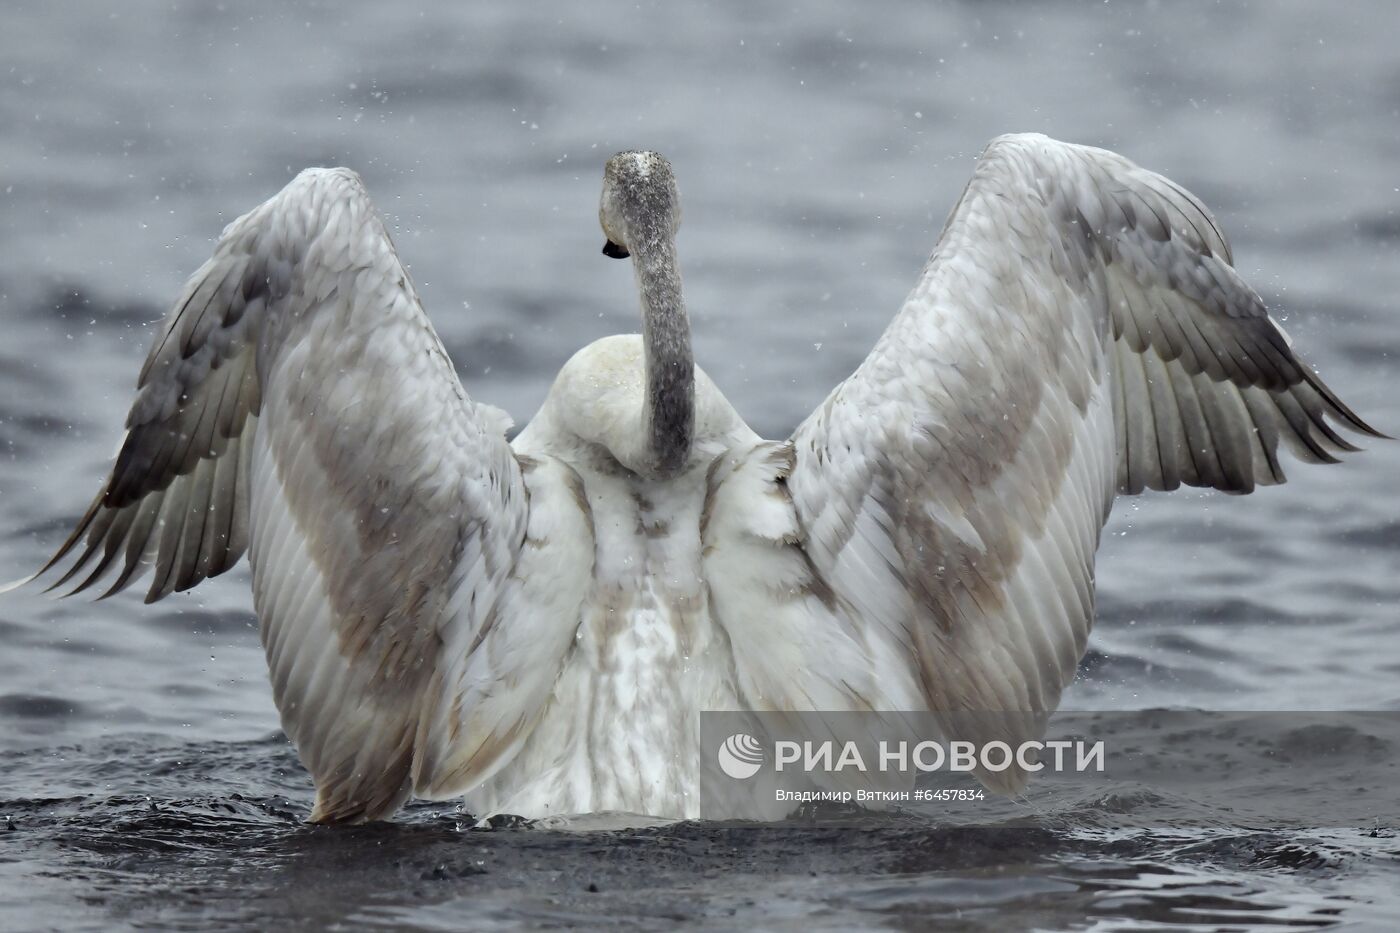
(1078,330)
(298,397)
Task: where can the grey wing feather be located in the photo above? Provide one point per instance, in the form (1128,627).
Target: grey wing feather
(1214,378)
(177,494)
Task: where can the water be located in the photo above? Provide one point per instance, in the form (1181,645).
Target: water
(818,149)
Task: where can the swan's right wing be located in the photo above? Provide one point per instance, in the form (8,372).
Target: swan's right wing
(298,397)
(1078,330)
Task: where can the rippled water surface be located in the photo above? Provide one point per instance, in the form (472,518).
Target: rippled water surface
(143,783)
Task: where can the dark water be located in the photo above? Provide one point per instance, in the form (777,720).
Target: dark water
(818,147)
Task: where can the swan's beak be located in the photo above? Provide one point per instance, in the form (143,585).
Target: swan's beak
(614,251)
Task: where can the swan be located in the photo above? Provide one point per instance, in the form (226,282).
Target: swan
(536,625)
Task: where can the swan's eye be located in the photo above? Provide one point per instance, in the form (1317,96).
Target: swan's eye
(614,251)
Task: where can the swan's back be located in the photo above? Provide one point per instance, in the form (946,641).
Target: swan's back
(593,409)
(647,655)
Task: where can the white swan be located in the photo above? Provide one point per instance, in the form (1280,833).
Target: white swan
(539,624)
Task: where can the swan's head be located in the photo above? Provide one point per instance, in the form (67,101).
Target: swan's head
(640,202)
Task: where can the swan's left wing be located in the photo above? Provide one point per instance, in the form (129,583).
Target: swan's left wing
(1078,329)
(298,403)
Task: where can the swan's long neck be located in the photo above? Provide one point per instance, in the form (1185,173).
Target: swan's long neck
(668,417)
